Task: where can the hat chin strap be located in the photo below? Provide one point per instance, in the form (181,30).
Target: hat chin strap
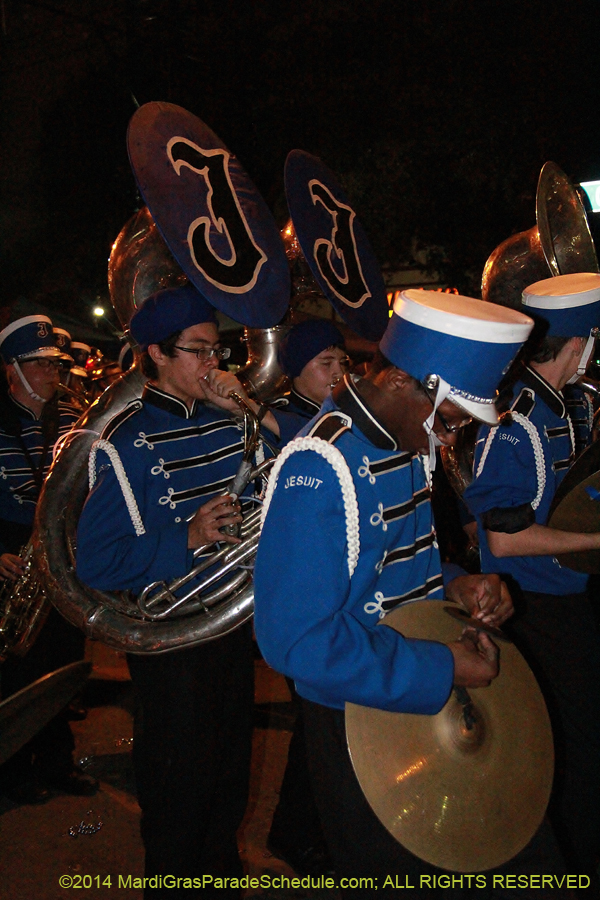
(585,357)
(442,391)
(26,384)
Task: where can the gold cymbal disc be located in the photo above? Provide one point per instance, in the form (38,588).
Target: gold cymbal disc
(463,795)
(579,510)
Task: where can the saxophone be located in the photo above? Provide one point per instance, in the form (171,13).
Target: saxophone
(24,608)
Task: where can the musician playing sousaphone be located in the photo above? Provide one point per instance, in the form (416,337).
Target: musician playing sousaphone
(518,468)
(319,604)
(180,448)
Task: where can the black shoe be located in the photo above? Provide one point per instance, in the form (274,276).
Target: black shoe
(304,861)
(28,792)
(74,782)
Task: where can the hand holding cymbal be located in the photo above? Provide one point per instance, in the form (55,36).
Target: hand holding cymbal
(465,789)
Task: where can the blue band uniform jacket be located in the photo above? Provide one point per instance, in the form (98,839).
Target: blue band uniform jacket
(292,412)
(508,489)
(316,624)
(19,490)
(175,460)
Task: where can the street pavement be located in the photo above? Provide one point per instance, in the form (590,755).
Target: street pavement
(90,842)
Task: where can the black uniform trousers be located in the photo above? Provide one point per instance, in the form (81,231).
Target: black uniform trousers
(191,753)
(559,638)
(360,846)
(296,825)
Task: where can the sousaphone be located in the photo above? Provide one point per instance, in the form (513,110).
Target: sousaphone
(206,222)
(560,243)
(335,246)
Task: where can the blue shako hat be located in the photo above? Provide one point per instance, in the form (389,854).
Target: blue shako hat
(304,341)
(28,338)
(570,304)
(62,339)
(168,311)
(458,347)
(81,353)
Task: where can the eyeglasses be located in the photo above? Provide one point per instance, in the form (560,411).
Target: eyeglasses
(206,353)
(449,429)
(45,363)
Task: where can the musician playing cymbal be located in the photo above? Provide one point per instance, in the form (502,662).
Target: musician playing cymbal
(320,603)
(518,468)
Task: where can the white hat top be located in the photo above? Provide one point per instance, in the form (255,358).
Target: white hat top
(563,291)
(463,317)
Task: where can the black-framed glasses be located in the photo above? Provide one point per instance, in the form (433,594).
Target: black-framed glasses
(206,353)
(45,362)
(449,429)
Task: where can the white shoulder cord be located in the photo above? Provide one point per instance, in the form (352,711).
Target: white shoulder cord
(486,450)
(336,460)
(571,435)
(590,409)
(538,453)
(426,461)
(113,454)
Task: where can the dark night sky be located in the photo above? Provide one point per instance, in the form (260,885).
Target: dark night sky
(436,116)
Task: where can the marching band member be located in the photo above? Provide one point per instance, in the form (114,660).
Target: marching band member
(319,603)
(313,356)
(31,421)
(180,447)
(518,467)
(73,375)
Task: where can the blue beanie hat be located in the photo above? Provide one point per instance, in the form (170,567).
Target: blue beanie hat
(168,311)
(305,341)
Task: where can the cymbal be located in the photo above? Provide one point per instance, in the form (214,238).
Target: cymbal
(467,621)
(466,789)
(576,507)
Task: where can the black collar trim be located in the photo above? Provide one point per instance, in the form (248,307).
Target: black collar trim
(347,398)
(304,403)
(153,395)
(551,397)
(23,410)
